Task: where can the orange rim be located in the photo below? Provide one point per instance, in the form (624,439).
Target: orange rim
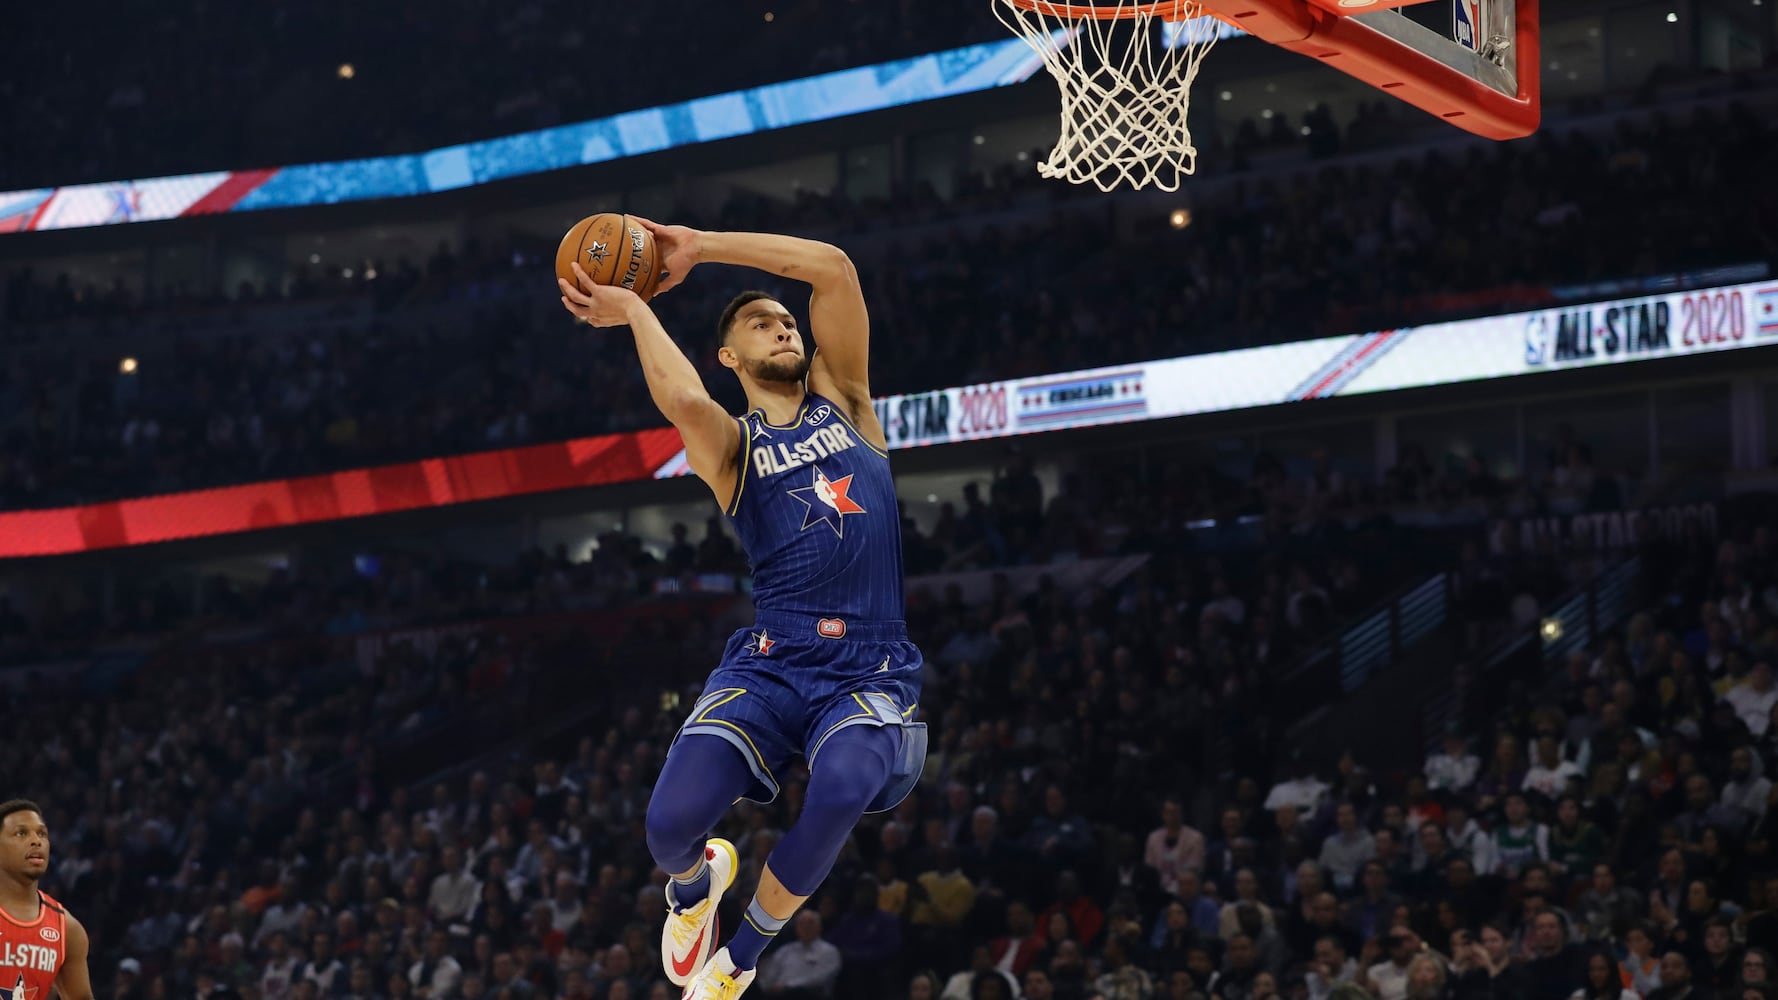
(1167,10)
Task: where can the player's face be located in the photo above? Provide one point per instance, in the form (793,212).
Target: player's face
(24,844)
(766,344)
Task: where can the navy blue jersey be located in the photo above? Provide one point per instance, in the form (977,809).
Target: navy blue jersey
(815,507)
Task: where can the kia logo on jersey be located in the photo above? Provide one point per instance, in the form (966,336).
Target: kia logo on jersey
(819,415)
(50,934)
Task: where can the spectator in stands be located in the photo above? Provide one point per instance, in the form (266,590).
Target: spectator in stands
(1746,790)
(1022,944)
(1676,980)
(1370,913)
(1555,963)
(1519,841)
(1084,917)
(1756,967)
(1303,790)
(1454,768)
(1122,980)
(869,940)
(437,973)
(806,968)
(1754,696)
(454,890)
(1388,979)
(1331,969)
(963,985)
(1549,774)
(1345,851)
(991,859)
(943,896)
(1173,848)
(1059,837)
(1603,982)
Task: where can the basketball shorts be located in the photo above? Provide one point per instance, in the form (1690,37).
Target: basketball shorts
(788,683)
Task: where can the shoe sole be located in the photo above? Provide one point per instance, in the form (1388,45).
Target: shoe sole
(701,955)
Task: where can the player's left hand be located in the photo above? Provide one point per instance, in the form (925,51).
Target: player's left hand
(679,248)
(595,304)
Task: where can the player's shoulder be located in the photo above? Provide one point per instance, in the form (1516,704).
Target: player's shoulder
(56,906)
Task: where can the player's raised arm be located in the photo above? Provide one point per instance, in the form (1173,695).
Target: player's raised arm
(74,982)
(839,321)
(712,437)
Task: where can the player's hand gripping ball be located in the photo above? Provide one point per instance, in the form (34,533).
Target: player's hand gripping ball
(612,249)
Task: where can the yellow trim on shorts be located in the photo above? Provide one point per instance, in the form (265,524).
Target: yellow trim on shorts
(704,719)
(865,713)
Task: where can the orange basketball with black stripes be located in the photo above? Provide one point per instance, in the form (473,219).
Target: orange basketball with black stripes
(613,249)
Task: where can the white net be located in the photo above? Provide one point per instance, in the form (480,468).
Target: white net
(1125,90)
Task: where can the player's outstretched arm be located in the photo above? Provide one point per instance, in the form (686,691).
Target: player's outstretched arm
(712,437)
(837,315)
(74,982)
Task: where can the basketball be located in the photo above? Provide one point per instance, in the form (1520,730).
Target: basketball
(613,249)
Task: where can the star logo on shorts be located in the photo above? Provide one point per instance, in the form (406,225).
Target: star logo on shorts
(760,643)
(597,252)
(827,501)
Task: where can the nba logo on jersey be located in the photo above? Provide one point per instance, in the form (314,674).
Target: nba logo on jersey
(1466,29)
(828,502)
(18,991)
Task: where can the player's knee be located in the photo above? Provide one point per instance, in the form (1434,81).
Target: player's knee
(842,799)
(852,770)
(671,826)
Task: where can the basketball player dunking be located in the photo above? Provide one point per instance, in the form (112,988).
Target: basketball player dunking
(826,672)
(41,944)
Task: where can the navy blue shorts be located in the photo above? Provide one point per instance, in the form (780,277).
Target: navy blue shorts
(789,682)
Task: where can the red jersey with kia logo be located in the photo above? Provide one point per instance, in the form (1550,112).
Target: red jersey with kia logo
(31,952)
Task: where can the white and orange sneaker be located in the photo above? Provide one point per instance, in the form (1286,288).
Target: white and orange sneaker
(690,936)
(718,980)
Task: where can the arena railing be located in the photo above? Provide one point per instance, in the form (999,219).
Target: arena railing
(1481,683)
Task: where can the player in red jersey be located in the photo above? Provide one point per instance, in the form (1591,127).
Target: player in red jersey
(41,944)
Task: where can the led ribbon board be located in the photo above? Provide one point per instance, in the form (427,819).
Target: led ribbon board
(707,119)
(1614,332)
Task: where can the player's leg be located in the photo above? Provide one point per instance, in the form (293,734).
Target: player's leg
(702,778)
(853,768)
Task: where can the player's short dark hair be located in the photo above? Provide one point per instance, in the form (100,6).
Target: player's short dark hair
(11,806)
(734,306)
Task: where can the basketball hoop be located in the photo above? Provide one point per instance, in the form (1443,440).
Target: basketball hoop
(1125,95)
(1126,89)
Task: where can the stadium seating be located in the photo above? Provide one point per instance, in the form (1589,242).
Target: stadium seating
(469,350)
(413,776)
